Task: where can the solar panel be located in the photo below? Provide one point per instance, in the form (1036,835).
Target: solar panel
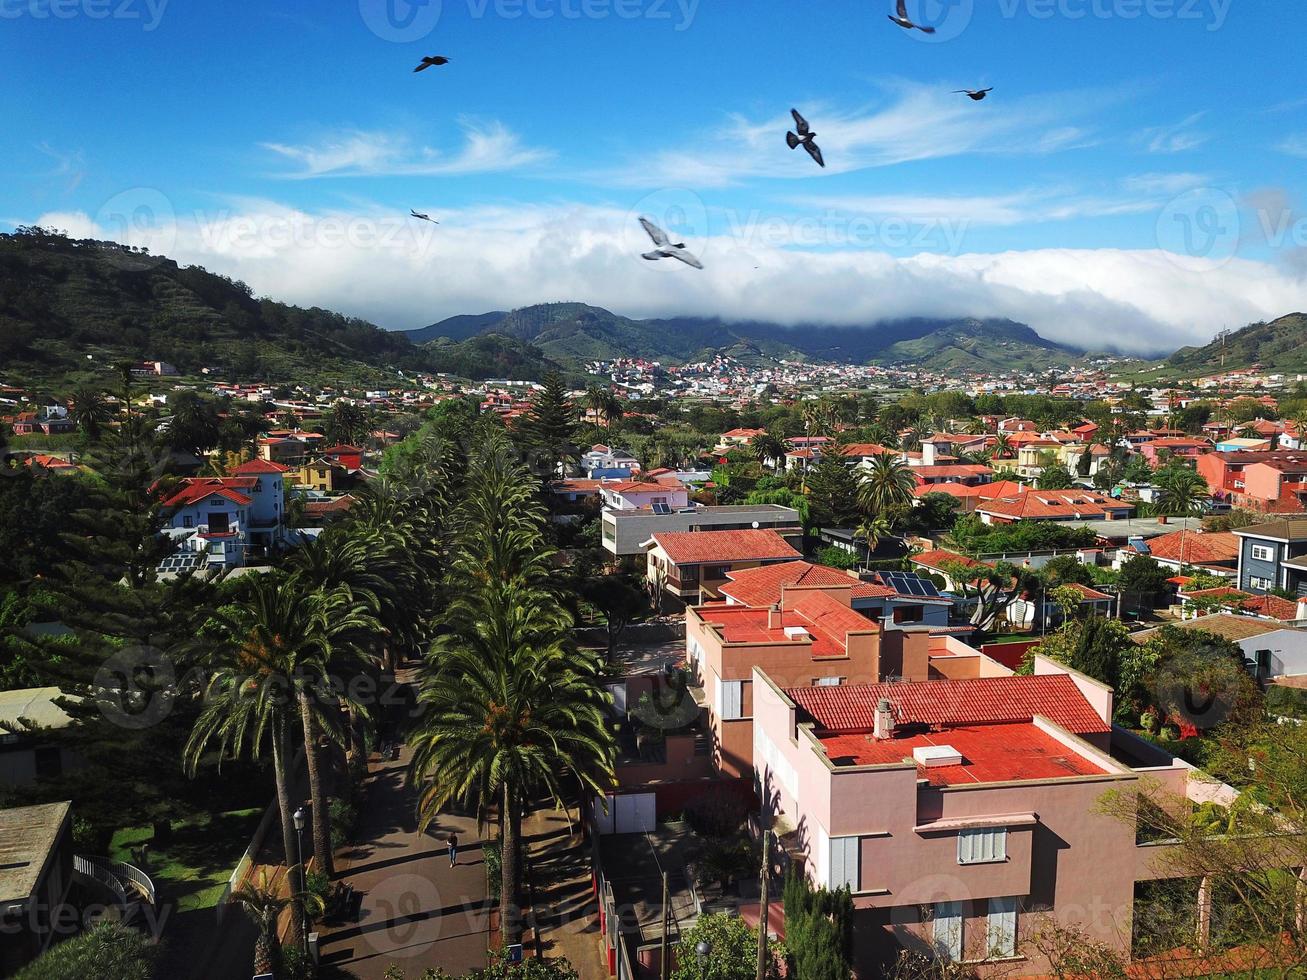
(905,583)
(661,508)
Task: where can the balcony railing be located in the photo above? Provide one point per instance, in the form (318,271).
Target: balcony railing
(128,883)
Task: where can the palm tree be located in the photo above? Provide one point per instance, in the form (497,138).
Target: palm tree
(272,669)
(263,902)
(612,410)
(887,483)
(90,410)
(767,448)
(1003,446)
(1182,491)
(595,399)
(509,708)
(505,716)
(872,530)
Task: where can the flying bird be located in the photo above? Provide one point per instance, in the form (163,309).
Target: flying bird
(424,217)
(429,62)
(905,22)
(665,249)
(975,95)
(806,138)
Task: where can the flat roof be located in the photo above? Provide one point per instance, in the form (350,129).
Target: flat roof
(731,510)
(990,754)
(828,629)
(35,704)
(27,836)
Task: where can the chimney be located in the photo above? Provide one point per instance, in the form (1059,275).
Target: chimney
(775,618)
(1302,610)
(884,720)
(928,454)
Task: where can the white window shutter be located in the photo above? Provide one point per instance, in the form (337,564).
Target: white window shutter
(988,846)
(1002,928)
(732,700)
(948,931)
(844,863)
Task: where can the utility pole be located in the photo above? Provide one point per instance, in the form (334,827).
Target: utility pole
(763,906)
(665,967)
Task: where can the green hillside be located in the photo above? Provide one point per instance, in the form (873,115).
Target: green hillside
(63,299)
(979,345)
(1280,345)
(573,333)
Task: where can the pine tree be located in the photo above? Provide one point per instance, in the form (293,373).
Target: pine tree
(833,490)
(550,430)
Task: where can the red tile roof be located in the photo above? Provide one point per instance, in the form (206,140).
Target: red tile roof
(259,466)
(1195,547)
(990,754)
(194,490)
(939,558)
(762,586)
(986,701)
(1053,504)
(700,547)
(1270,606)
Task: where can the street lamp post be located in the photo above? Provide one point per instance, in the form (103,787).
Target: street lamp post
(702,950)
(303,910)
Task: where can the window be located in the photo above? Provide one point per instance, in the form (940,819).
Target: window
(947,931)
(844,863)
(730,695)
(716,571)
(1001,928)
(258,487)
(1262,552)
(1264,584)
(827,681)
(188,521)
(988,846)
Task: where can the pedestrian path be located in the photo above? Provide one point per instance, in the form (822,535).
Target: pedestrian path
(416,912)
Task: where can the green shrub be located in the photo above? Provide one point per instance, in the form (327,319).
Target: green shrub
(1286,702)
(344,816)
(837,558)
(106,950)
(493,857)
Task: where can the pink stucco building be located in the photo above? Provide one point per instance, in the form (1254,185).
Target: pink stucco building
(961,812)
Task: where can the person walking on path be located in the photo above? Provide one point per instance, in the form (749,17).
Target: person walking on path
(453,849)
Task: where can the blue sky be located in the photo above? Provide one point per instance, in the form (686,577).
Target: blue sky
(1136,176)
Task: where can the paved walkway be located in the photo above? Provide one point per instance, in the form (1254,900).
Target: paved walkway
(416,911)
(564,910)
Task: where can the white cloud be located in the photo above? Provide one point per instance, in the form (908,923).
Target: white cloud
(1176,138)
(488,147)
(922,122)
(405,274)
(1295,145)
(1164,183)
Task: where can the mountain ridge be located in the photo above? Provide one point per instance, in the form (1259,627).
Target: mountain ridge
(578,332)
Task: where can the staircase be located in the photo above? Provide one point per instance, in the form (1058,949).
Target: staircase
(128,884)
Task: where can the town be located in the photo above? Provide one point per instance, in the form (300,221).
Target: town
(653,490)
(886,642)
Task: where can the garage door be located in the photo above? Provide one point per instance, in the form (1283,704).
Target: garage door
(634,813)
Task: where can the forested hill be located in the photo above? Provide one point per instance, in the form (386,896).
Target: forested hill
(1280,345)
(62,299)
